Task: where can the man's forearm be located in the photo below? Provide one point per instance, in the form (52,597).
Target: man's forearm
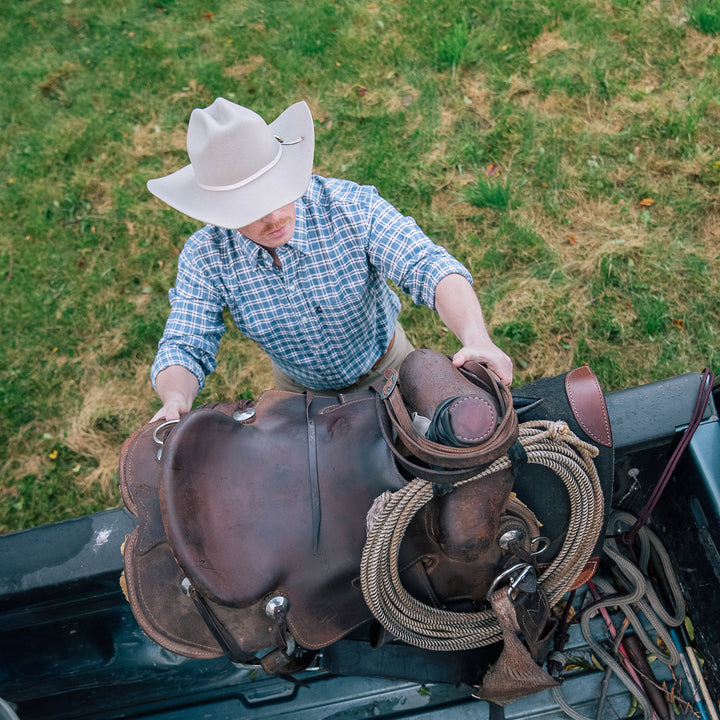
(458,307)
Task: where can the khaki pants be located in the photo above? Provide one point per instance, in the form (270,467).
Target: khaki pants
(399,350)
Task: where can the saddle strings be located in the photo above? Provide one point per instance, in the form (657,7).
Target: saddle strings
(547,443)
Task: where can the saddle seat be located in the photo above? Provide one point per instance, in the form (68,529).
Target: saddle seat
(254,509)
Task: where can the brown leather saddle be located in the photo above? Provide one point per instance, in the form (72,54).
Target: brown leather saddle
(252,515)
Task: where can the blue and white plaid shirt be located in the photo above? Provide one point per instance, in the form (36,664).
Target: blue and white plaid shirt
(327,314)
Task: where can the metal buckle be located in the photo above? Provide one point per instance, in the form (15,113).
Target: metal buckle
(542,542)
(391,378)
(157,440)
(521,576)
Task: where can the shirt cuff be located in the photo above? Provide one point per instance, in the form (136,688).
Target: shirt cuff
(167,357)
(450,266)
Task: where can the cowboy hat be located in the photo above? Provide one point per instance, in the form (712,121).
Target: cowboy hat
(241,169)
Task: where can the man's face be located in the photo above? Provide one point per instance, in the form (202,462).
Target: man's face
(273,230)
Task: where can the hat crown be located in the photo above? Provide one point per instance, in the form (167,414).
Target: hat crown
(241,168)
(229,144)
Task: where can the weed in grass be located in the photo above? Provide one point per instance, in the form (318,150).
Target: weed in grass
(449,46)
(490,193)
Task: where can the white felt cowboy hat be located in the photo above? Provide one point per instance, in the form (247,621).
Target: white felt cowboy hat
(241,169)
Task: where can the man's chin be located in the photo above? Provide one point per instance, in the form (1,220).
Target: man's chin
(276,239)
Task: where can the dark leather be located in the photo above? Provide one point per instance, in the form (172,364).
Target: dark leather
(276,505)
(427,380)
(588,404)
(479,400)
(451,544)
(152,578)
(237,503)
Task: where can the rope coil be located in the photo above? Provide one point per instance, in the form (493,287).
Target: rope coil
(547,443)
(639,596)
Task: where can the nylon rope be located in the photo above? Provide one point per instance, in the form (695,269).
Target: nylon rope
(548,443)
(639,595)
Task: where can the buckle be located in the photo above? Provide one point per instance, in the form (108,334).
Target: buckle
(522,577)
(391,381)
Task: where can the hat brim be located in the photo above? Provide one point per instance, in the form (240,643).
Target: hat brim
(284,183)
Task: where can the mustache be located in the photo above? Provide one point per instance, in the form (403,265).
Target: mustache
(276,226)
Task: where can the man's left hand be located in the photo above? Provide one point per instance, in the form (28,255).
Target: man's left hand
(490,355)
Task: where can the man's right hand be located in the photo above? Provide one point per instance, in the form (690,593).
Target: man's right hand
(170,411)
(177,388)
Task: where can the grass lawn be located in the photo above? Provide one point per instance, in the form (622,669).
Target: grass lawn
(567,151)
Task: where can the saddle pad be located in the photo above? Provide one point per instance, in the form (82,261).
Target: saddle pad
(276,505)
(577,398)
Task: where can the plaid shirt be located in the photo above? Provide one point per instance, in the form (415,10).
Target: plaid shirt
(327,314)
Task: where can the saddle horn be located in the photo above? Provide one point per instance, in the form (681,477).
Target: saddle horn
(461,413)
(469,416)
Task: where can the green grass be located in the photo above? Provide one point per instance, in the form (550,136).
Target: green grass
(567,152)
(705,15)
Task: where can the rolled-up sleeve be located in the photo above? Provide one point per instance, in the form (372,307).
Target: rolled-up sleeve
(195,325)
(403,253)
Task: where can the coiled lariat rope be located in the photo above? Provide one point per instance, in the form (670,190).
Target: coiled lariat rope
(547,443)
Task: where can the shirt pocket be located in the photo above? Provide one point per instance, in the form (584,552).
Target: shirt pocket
(343,284)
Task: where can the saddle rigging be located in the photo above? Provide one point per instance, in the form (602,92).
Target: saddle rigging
(252,536)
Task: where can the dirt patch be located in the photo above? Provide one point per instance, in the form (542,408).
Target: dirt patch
(547,44)
(150,140)
(476,96)
(244,69)
(709,235)
(700,47)
(520,90)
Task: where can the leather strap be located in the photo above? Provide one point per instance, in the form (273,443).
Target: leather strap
(313,475)
(225,640)
(588,404)
(458,463)
(434,475)
(703,397)
(536,624)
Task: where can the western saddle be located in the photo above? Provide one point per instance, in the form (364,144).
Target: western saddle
(255,519)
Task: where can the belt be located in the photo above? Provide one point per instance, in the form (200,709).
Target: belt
(380,361)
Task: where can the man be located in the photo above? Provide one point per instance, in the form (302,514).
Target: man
(301,261)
